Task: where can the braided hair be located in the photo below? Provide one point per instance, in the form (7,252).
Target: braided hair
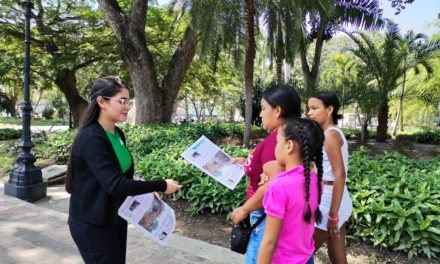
(310,137)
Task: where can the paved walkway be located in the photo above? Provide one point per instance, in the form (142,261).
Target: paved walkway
(38,233)
(37,129)
(30,233)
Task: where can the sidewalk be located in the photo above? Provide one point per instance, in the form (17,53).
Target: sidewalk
(38,233)
(37,129)
(35,233)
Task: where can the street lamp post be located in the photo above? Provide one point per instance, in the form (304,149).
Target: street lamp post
(25,180)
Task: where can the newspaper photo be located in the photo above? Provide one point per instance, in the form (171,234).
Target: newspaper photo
(150,214)
(209,158)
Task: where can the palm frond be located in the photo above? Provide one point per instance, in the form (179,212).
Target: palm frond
(364,14)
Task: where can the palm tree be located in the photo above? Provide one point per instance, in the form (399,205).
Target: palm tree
(283,23)
(417,52)
(384,62)
(228,26)
(338,77)
(351,81)
(323,23)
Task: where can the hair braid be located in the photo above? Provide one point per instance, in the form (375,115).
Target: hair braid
(318,163)
(309,137)
(306,164)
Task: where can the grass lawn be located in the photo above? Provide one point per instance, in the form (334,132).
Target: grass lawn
(34,122)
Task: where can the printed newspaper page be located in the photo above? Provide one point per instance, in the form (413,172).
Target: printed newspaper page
(209,158)
(149,214)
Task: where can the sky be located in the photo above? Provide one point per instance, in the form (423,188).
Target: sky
(415,16)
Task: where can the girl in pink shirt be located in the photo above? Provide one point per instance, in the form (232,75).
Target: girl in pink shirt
(291,201)
(278,103)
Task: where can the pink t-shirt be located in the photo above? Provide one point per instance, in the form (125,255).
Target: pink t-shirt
(285,200)
(253,166)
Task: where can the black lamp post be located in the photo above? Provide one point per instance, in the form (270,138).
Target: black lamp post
(25,181)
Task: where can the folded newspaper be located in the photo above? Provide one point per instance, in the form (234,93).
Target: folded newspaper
(209,158)
(150,214)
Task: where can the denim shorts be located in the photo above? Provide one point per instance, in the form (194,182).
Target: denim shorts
(256,237)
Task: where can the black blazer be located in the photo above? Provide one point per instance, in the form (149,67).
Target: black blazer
(98,185)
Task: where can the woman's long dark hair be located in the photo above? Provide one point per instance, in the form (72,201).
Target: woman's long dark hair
(106,87)
(310,138)
(286,97)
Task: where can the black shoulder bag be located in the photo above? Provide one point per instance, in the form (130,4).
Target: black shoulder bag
(241,233)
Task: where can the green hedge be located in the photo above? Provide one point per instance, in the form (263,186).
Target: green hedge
(424,137)
(9,133)
(395,202)
(355,133)
(202,192)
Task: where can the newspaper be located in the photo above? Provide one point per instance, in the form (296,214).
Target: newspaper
(210,159)
(150,214)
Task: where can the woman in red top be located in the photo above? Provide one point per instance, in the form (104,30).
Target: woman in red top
(277,104)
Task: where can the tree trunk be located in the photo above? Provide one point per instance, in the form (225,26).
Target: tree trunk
(231,116)
(249,69)
(178,67)
(40,93)
(311,75)
(396,121)
(203,112)
(66,81)
(402,95)
(196,109)
(280,73)
(186,108)
(287,72)
(364,131)
(382,126)
(154,104)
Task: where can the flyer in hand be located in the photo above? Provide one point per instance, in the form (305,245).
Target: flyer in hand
(209,158)
(148,213)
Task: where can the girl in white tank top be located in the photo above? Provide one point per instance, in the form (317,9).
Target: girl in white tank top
(336,205)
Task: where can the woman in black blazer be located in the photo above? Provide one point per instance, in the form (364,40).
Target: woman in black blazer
(100,176)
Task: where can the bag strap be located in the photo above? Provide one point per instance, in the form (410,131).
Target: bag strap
(258,222)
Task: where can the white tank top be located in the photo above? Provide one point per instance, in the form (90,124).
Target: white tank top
(328,172)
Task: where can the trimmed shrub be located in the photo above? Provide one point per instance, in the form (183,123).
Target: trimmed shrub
(48,113)
(395,202)
(9,133)
(424,137)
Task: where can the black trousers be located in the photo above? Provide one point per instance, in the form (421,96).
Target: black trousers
(100,244)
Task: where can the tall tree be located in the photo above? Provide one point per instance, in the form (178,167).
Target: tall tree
(417,52)
(323,21)
(249,67)
(282,22)
(154,98)
(384,61)
(11,72)
(69,36)
(353,83)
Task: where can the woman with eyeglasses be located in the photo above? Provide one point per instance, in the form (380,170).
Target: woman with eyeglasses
(100,176)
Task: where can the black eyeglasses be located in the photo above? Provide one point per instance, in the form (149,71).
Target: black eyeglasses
(123,101)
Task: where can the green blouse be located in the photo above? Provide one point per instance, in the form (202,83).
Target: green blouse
(121,150)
